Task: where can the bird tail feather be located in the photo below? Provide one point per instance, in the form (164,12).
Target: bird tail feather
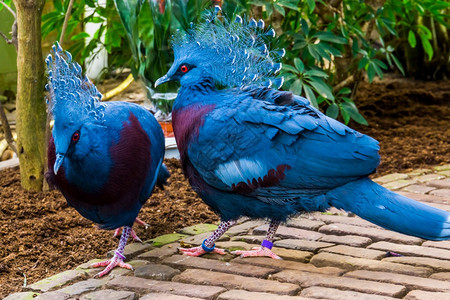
(387,209)
(163,175)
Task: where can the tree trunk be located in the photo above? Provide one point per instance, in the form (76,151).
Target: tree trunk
(31,112)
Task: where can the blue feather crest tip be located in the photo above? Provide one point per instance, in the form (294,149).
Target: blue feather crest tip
(234,52)
(71,94)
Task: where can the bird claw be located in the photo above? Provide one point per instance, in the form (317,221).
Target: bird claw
(110,264)
(135,237)
(257,252)
(197,251)
(142,223)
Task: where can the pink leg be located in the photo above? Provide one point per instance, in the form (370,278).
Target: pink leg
(266,246)
(140,222)
(208,244)
(118,258)
(133,233)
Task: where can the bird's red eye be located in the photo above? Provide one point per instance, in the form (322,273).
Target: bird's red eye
(76,136)
(184,68)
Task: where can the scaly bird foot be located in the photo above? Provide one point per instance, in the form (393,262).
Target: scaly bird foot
(110,264)
(257,251)
(132,233)
(197,251)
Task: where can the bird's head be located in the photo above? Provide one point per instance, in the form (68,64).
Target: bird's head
(74,103)
(231,53)
(74,140)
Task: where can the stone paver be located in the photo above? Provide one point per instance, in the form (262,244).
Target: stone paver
(81,287)
(166,239)
(290,233)
(411,282)
(442,167)
(22,296)
(285,264)
(148,285)
(373,233)
(218,266)
(351,263)
(356,221)
(418,188)
(304,245)
(441,276)
(305,279)
(156,272)
(306,224)
(423,295)
(440,184)
(246,295)
(335,294)
(160,253)
(110,295)
(58,280)
(438,265)
(232,281)
(429,178)
(199,228)
(390,177)
(396,185)
(332,255)
(445,193)
(412,250)
(161,296)
(356,252)
(349,240)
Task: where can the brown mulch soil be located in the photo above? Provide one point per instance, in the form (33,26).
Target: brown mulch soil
(41,236)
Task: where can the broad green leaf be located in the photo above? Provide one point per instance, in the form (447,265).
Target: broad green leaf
(380,64)
(291,4)
(344,113)
(398,64)
(354,113)
(296,87)
(316,73)
(424,31)
(363,63)
(279,8)
(304,26)
(312,5)
(81,35)
(377,69)
(290,68)
(321,88)
(427,47)
(412,39)
(299,65)
(312,50)
(332,111)
(344,91)
(371,72)
(330,37)
(310,95)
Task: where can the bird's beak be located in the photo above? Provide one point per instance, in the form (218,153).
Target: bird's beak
(58,162)
(161,80)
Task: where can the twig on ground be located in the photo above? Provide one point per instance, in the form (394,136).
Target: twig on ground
(7,129)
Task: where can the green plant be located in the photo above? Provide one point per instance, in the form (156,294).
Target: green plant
(89,11)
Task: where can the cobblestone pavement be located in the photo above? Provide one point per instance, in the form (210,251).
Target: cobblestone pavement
(331,255)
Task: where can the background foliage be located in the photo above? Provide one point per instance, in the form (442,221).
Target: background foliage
(331,45)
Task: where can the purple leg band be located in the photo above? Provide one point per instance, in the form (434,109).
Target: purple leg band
(120,255)
(267,244)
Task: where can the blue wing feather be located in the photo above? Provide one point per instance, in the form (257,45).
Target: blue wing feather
(269,129)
